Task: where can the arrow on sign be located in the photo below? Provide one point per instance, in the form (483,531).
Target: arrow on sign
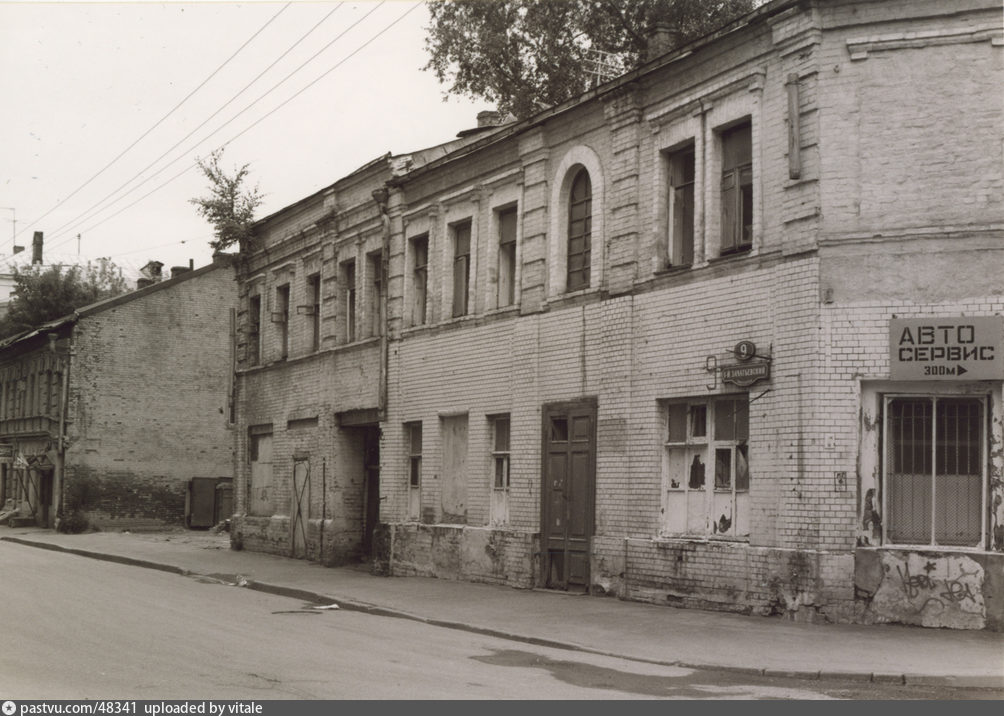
(961,370)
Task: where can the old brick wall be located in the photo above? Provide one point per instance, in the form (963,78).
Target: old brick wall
(893,207)
(297,397)
(149,399)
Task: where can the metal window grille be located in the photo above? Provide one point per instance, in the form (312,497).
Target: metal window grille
(935,470)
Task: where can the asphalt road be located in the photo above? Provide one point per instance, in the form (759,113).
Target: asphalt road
(78,628)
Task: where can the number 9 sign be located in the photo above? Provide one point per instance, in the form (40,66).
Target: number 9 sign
(745,350)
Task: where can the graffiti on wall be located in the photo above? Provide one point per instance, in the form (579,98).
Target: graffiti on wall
(931,590)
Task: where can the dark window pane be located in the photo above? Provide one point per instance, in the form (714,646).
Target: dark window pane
(502,434)
(723,468)
(742,468)
(696,473)
(677,415)
(698,421)
(559,430)
(579,227)
(415,472)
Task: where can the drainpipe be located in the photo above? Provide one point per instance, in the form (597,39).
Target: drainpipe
(380,196)
(61,439)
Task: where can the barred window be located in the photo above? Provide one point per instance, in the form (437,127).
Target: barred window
(934,470)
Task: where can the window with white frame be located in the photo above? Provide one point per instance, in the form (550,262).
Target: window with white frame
(419,278)
(349,298)
(737,188)
(680,210)
(461,267)
(374,306)
(935,470)
(500,468)
(706,467)
(507,257)
(580,216)
(413,438)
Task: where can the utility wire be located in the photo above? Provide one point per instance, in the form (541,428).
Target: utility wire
(258,121)
(97,208)
(158,123)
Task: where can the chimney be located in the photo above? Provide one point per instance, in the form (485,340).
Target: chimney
(178,270)
(489,118)
(36,248)
(153,271)
(662,38)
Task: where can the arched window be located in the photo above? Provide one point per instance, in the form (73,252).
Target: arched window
(580,219)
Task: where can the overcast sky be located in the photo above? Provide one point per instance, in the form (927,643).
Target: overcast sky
(81,83)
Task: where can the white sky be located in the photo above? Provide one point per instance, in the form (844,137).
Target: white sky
(80,82)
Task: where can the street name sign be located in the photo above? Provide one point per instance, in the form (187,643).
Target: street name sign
(933,348)
(745,374)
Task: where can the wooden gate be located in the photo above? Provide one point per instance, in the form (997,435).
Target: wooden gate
(569,494)
(300,508)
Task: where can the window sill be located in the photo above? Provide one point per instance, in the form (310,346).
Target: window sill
(927,548)
(731,256)
(357,343)
(673,270)
(572,298)
(706,539)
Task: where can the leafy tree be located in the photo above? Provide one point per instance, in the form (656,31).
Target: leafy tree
(45,293)
(522,55)
(230,206)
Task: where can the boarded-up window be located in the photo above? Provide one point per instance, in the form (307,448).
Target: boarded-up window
(261,490)
(935,470)
(737,188)
(454,485)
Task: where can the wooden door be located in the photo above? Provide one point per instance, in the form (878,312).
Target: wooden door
(568,495)
(453,499)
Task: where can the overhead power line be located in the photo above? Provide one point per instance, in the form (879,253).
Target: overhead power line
(98,207)
(256,122)
(158,122)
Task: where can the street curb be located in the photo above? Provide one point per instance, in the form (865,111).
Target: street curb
(129,561)
(952,681)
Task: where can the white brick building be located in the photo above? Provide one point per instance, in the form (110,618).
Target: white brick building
(668,341)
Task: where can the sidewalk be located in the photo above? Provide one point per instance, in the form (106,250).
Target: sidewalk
(666,635)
